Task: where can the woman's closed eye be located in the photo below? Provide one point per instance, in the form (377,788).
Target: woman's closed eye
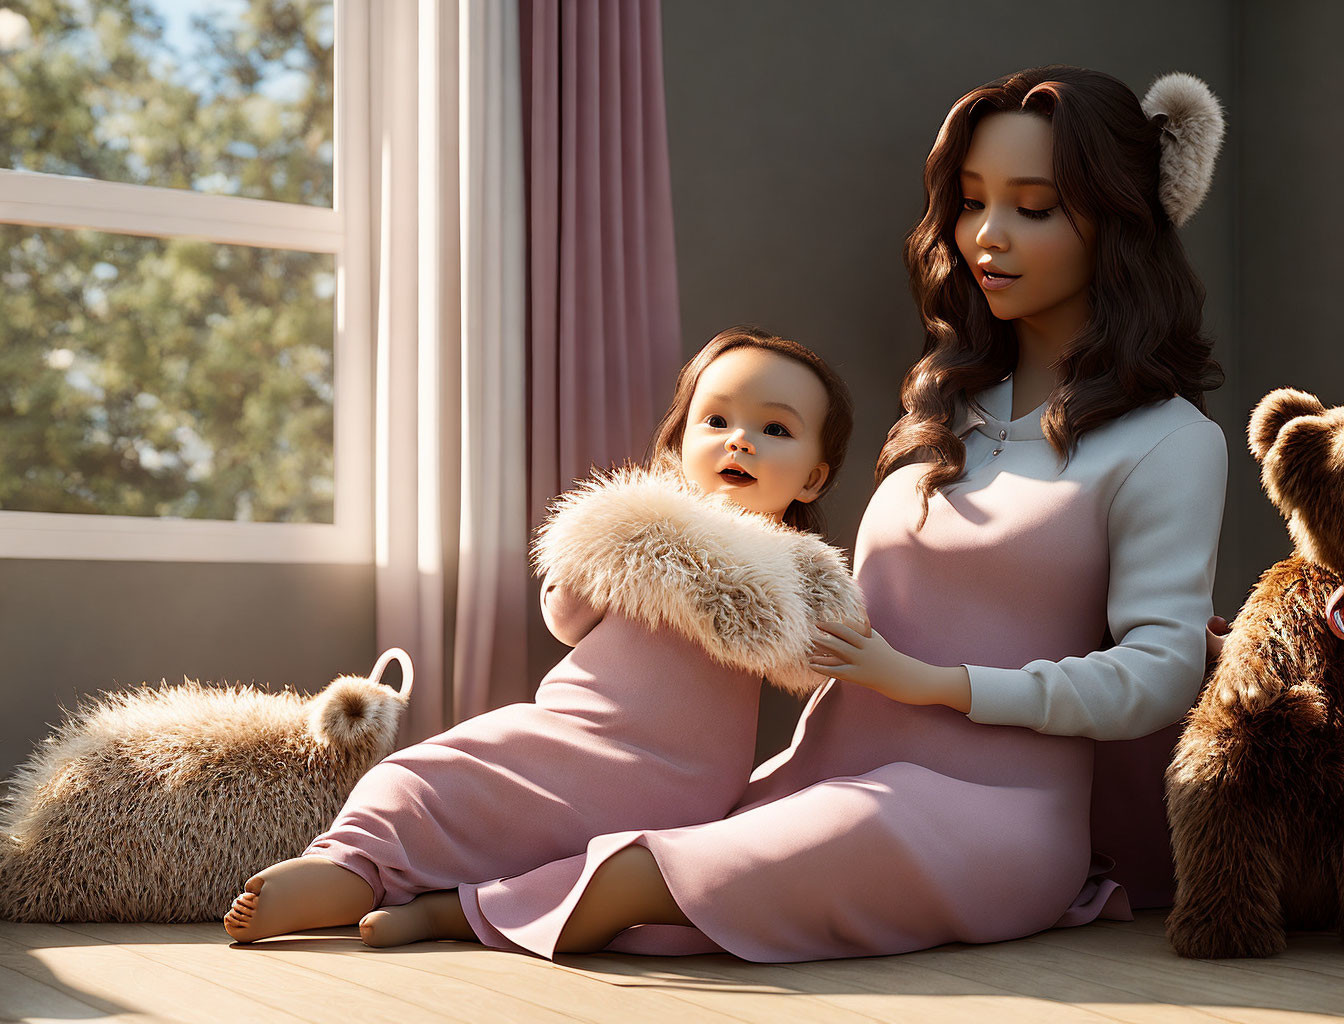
(1026,211)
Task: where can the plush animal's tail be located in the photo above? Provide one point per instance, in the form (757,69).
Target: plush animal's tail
(407,670)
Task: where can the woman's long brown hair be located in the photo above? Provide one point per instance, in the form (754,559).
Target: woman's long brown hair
(665,447)
(1143,340)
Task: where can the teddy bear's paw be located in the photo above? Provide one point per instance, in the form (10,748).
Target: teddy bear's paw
(1212,939)
(1249,695)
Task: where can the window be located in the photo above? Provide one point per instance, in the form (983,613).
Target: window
(184,307)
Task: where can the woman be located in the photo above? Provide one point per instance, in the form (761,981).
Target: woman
(1037,561)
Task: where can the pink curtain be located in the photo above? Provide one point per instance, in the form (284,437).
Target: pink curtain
(603,330)
(537,181)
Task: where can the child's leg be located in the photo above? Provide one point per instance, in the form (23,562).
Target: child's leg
(431,915)
(304,892)
(628,889)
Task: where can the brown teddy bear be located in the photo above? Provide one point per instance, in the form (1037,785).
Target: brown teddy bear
(1255,792)
(157,804)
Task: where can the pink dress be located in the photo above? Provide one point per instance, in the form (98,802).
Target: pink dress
(887,827)
(604,746)
(650,721)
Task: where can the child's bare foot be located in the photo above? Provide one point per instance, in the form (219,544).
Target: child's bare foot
(431,915)
(304,892)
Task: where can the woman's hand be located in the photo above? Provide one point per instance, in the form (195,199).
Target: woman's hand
(863,656)
(1215,633)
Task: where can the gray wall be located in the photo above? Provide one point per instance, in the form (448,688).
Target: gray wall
(1289,241)
(798,132)
(70,628)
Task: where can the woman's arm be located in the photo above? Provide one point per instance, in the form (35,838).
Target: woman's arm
(569,617)
(1163,531)
(1163,527)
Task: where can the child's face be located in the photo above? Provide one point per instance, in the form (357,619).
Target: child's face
(1011,221)
(753,431)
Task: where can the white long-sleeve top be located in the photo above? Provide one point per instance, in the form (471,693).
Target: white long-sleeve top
(1150,487)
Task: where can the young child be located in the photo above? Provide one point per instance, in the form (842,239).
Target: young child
(679,587)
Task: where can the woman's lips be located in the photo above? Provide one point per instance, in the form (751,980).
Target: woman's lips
(996,282)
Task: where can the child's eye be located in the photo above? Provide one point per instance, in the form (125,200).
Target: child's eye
(777,430)
(716,421)
(972,204)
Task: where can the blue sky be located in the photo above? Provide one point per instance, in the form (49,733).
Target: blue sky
(178,34)
(177,15)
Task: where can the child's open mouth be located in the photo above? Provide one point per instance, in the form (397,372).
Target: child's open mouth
(737,476)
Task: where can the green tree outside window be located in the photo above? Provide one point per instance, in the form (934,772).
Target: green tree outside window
(167,377)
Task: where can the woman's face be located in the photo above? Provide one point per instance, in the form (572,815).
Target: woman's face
(753,431)
(1012,232)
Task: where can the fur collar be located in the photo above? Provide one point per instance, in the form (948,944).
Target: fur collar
(656,549)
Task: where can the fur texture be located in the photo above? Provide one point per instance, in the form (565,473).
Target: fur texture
(1255,792)
(158,804)
(1191,137)
(745,588)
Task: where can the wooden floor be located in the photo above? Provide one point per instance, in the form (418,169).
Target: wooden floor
(1100,972)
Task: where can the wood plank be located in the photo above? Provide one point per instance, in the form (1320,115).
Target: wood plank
(27,996)
(1146,922)
(523,983)
(1318,952)
(1147,966)
(1108,971)
(945,978)
(751,992)
(115,979)
(276,980)
(547,984)
(1052,973)
(1315,952)
(880,988)
(1325,960)
(453,994)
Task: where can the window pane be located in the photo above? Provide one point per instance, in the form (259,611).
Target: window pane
(164,377)
(224,96)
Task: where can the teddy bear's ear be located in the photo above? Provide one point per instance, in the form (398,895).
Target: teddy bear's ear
(1272,412)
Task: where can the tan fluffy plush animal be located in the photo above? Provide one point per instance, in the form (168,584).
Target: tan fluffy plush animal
(1255,793)
(157,804)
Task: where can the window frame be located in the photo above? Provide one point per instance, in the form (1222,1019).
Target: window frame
(343,231)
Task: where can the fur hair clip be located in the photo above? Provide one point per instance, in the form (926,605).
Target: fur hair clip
(1192,126)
